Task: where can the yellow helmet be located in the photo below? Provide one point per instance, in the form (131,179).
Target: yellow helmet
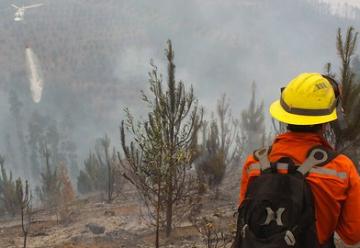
(308,99)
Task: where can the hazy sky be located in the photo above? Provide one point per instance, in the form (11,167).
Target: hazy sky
(338,6)
(95,54)
(350,2)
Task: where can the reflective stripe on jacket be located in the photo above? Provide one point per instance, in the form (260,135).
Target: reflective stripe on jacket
(336,185)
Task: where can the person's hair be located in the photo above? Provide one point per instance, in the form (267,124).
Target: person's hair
(304,128)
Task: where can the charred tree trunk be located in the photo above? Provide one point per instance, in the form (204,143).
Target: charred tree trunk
(25,232)
(169,208)
(157,245)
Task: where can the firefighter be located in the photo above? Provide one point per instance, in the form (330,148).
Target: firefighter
(307,105)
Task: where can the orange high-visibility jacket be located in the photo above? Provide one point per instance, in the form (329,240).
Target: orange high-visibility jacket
(335,186)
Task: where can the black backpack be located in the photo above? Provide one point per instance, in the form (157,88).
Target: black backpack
(278,209)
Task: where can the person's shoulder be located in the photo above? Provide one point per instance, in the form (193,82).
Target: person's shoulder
(336,158)
(250,159)
(344,162)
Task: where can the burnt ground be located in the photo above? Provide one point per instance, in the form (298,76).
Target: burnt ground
(124,224)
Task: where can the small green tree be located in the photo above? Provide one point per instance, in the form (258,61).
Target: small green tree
(159,158)
(347,128)
(144,166)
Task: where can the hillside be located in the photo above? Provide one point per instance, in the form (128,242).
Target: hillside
(124,221)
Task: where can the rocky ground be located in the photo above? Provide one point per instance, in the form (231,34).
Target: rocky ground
(90,222)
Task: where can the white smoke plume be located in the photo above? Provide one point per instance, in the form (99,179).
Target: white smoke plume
(34,74)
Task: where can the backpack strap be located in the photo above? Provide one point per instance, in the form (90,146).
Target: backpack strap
(317,156)
(262,156)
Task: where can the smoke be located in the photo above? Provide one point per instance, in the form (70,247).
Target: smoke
(34,74)
(92,73)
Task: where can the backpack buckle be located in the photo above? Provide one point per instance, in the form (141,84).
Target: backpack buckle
(290,238)
(316,156)
(262,156)
(243,231)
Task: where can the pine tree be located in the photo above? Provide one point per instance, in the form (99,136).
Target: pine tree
(218,148)
(67,191)
(8,195)
(213,164)
(160,155)
(69,153)
(50,190)
(348,133)
(42,131)
(227,127)
(144,166)
(66,196)
(93,177)
(106,162)
(84,183)
(252,123)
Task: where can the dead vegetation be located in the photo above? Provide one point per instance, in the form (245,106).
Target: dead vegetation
(123,223)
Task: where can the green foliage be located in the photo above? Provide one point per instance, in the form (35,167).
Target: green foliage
(8,195)
(159,157)
(348,135)
(93,177)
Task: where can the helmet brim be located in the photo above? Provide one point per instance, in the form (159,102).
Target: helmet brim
(278,113)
